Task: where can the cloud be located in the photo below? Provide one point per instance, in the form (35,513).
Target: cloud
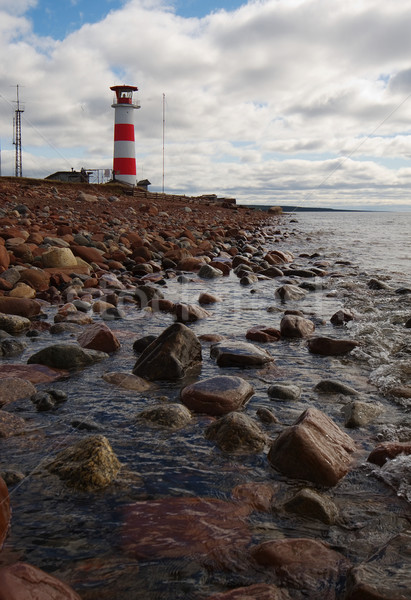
(261,102)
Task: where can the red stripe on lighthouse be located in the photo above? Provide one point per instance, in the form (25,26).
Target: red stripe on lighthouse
(124,132)
(125,166)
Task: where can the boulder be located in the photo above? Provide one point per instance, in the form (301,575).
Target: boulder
(172,415)
(171,354)
(22,307)
(293,326)
(239,354)
(284,391)
(89,254)
(388,451)
(304,564)
(358,414)
(14,324)
(98,337)
(15,388)
(189,313)
(4,512)
(11,347)
(217,395)
(330,346)
(66,356)
(35,373)
(237,433)
(263,334)
(88,465)
(60,258)
(190,263)
(127,381)
(314,449)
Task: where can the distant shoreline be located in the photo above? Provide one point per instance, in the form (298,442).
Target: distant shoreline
(292,209)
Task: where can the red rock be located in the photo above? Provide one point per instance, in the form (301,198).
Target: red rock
(22,307)
(190,263)
(37,278)
(341,317)
(4,258)
(223,266)
(207,298)
(88,253)
(33,373)
(162,305)
(4,513)
(331,347)
(263,334)
(293,326)
(91,282)
(188,313)
(142,252)
(304,564)
(258,591)
(14,388)
(22,581)
(99,337)
(35,237)
(388,451)
(259,496)
(217,395)
(314,449)
(5,285)
(181,527)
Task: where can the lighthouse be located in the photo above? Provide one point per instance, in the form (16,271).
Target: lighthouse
(124,160)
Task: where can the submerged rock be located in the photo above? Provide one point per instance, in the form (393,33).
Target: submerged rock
(358,414)
(236,433)
(66,356)
(88,465)
(314,449)
(22,581)
(284,391)
(174,351)
(189,313)
(10,424)
(217,395)
(330,386)
(310,504)
(127,381)
(173,415)
(239,354)
(15,388)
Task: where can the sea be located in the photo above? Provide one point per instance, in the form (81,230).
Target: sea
(93,540)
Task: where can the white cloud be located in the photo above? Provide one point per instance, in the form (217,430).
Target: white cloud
(261,102)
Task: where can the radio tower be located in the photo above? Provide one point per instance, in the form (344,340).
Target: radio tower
(17,136)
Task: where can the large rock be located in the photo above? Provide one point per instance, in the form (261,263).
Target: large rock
(293,326)
(209,272)
(99,337)
(239,354)
(22,290)
(88,465)
(89,254)
(310,504)
(217,395)
(36,373)
(37,278)
(384,576)
(358,414)
(66,356)
(289,292)
(59,258)
(15,388)
(304,564)
(314,449)
(22,581)
(4,511)
(172,415)
(22,307)
(174,351)
(236,432)
(14,324)
(330,346)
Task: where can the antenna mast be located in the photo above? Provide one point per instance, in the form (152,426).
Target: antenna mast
(164,123)
(17,136)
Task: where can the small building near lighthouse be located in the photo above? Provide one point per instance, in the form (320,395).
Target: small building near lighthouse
(124,158)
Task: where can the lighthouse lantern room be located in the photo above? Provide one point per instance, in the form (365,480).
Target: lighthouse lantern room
(124,160)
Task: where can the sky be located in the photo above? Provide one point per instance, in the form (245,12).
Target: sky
(302,102)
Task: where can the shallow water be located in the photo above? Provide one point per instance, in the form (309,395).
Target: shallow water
(82,537)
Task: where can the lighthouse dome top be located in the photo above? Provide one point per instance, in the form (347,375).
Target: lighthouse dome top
(124,93)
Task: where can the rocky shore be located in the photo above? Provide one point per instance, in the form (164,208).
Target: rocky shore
(80,265)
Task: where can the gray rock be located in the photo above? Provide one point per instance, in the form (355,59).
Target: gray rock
(289,292)
(66,356)
(237,433)
(331,386)
(284,391)
(14,324)
(173,415)
(266,415)
(12,275)
(311,504)
(209,272)
(10,347)
(359,413)
(239,354)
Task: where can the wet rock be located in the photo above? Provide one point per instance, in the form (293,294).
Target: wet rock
(10,424)
(388,451)
(34,373)
(209,272)
(190,263)
(260,591)
(4,511)
(37,278)
(330,346)
(384,576)
(88,465)
(314,449)
(142,343)
(284,391)
(376,284)
(162,305)
(239,354)
(248,279)
(66,356)
(358,414)
(48,400)
(64,327)
(98,337)
(189,313)
(127,381)
(146,293)
(310,504)
(217,395)
(341,317)
(304,564)
(331,386)
(58,258)
(22,307)
(293,326)
(263,334)
(22,581)
(14,324)
(173,415)
(171,354)
(111,314)
(15,388)
(207,298)
(266,415)
(237,433)
(289,292)
(12,477)
(181,527)
(259,496)
(11,347)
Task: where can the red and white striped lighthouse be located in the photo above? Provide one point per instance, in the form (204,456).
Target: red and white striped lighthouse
(124,161)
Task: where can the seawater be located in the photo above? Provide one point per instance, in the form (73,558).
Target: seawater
(79,537)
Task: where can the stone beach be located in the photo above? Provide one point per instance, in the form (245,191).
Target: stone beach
(105,295)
